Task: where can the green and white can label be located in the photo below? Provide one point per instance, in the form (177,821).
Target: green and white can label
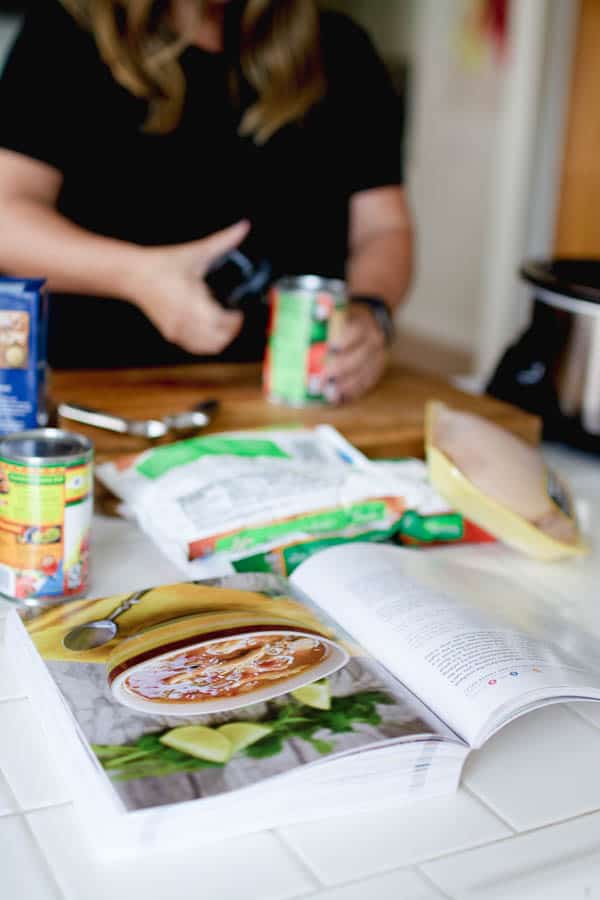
(307,313)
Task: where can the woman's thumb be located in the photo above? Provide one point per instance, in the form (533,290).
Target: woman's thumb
(223,241)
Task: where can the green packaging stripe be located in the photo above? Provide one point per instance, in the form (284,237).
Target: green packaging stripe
(440,527)
(34,478)
(330,520)
(257,563)
(295,554)
(163,459)
(425,529)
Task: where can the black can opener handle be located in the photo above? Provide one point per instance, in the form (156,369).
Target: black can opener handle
(234,280)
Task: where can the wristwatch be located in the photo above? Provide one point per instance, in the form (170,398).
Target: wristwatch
(380,311)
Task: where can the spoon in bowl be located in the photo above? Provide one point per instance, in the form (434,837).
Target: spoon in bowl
(99,632)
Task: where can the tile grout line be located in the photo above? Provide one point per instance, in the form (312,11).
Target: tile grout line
(521,874)
(27,810)
(431,883)
(8,813)
(22,814)
(580,716)
(422,862)
(583,815)
(449,853)
(475,796)
(385,870)
(516,832)
(526,875)
(365,881)
(509,837)
(44,806)
(11,796)
(59,893)
(296,856)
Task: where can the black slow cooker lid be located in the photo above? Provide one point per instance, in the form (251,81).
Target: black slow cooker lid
(576,278)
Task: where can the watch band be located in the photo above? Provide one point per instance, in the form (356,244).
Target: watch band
(380,311)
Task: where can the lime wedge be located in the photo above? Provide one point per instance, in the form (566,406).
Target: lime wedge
(317,695)
(242,734)
(199,741)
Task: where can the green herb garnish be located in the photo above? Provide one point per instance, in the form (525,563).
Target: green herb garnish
(295,720)
(149,758)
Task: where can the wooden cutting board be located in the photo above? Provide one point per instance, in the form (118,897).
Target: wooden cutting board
(388,422)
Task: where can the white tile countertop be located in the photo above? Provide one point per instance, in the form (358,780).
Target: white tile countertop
(524,825)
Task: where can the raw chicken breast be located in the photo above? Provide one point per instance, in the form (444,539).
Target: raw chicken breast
(504,468)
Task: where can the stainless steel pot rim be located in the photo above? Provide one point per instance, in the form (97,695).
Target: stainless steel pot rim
(568,303)
(576,278)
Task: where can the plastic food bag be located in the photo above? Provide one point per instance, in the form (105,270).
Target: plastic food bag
(500,483)
(226,502)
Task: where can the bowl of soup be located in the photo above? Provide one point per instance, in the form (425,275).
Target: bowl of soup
(217,662)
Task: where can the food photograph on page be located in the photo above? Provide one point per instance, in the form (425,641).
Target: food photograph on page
(202,689)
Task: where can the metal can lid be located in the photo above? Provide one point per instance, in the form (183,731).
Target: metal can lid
(41,446)
(312,283)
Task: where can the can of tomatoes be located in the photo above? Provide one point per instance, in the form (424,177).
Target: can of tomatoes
(306,315)
(46,501)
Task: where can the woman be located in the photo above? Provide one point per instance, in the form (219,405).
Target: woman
(142,139)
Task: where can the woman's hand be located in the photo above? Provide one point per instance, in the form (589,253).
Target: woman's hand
(357,359)
(168,287)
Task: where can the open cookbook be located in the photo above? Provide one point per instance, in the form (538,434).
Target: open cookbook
(249,701)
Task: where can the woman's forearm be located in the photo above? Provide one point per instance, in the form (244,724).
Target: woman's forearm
(37,241)
(165,282)
(381,244)
(381,265)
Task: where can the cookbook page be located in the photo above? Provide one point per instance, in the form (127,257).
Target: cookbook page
(210,687)
(473,667)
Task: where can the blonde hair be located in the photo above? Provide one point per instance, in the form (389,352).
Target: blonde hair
(279,56)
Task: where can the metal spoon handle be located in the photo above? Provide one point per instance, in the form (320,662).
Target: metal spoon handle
(95,417)
(126,604)
(144,428)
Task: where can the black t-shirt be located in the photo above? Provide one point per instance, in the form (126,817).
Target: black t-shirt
(60,104)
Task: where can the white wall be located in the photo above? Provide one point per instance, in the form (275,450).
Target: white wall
(455,114)
(527,166)
(483,161)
